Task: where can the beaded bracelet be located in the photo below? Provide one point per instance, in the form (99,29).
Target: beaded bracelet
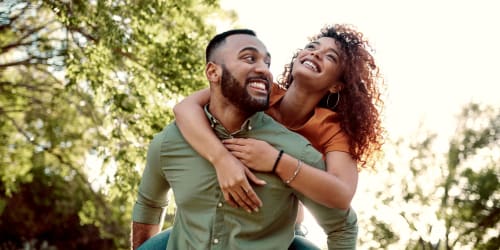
(277,161)
(299,164)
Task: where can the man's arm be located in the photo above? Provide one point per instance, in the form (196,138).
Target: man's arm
(339,225)
(142,232)
(148,211)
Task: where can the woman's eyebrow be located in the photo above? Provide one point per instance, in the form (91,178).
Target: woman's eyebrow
(330,49)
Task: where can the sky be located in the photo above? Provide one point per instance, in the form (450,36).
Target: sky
(436,56)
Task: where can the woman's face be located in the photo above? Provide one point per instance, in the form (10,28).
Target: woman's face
(319,63)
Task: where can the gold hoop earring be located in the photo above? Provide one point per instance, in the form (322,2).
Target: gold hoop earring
(328,100)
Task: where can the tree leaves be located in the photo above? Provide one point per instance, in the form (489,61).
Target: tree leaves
(84,79)
(445,200)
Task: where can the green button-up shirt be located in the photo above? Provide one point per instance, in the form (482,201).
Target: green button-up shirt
(204,221)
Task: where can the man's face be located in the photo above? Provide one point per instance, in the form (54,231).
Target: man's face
(246,78)
(240,94)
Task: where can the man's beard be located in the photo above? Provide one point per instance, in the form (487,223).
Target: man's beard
(237,94)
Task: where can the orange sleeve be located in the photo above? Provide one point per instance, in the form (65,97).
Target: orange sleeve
(325,133)
(338,142)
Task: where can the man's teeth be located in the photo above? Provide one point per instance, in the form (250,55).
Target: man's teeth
(258,85)
(311,65)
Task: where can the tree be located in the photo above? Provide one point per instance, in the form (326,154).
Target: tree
(442,200)
(84,80)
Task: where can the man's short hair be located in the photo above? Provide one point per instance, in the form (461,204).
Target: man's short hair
(219,39)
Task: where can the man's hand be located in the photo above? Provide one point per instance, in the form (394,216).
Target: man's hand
(255,154)
(232,176)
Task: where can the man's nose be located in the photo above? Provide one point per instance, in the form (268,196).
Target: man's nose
(262,68)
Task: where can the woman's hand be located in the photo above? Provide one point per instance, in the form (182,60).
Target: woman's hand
(255,154)
(232,176)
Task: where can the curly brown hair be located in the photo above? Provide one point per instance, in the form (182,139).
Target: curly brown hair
(360,103)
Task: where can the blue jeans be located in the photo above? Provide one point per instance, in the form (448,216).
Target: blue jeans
(159,242)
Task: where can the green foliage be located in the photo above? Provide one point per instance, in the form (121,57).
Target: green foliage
(82,80)
(48,207)
(448,199)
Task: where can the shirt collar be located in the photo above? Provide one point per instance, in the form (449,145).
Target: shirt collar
(251,123)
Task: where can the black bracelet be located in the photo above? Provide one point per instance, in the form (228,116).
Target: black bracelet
(277,160)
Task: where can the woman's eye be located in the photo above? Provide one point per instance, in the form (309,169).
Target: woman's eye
(332,58)
(310,46)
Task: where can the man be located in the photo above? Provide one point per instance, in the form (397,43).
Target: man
(238,71)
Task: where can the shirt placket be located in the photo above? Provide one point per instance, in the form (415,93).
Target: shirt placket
(218,232)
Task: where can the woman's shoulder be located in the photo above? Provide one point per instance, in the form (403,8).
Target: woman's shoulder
(277,90)
(325,132)
(277,93)
(325,117)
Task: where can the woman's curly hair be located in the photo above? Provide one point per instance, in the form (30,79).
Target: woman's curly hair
(360,103)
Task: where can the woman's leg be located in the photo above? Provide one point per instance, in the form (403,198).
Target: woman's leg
(157,242)
(301,243)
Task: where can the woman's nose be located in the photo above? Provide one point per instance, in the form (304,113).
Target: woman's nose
(315,53)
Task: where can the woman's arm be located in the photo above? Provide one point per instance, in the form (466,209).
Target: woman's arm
(231,173)
(334,188)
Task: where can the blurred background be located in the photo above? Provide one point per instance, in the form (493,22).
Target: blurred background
(84,85)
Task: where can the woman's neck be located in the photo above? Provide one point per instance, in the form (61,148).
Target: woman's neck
(297,106)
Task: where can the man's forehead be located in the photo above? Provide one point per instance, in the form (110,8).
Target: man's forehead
(240,41)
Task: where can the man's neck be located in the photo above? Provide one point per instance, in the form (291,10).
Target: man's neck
(231,117)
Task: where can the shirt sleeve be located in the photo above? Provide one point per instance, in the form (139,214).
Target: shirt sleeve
(338,142)
(340,226)
(152,195)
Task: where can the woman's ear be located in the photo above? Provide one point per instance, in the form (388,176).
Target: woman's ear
(336,87)
(212,72)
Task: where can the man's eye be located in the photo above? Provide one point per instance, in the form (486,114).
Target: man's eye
(249,58)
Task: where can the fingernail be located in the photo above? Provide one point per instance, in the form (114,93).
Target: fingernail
(256,210)
(249,211)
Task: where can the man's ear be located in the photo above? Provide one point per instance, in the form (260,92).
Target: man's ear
(213,72)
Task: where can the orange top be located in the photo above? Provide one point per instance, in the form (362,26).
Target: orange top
(321,130)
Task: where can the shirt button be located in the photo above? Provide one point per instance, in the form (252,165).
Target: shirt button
(220,204)
(216,241)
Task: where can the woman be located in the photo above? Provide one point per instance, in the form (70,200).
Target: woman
(329,93)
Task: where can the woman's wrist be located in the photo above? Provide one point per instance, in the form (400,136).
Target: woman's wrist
(288,168)
(281,168)
(218,154)
(277,161)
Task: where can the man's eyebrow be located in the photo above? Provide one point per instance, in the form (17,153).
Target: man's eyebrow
(254,50)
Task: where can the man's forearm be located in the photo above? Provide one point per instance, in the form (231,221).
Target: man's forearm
(142,232)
